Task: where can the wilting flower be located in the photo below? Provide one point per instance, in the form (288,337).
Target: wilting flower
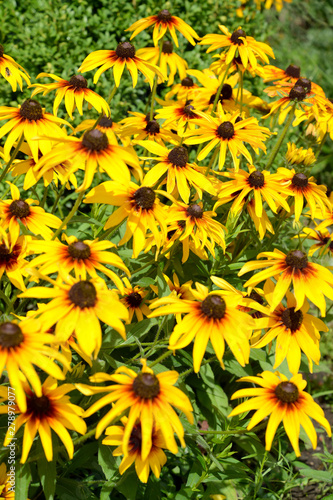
(123,55)
(167,59)
(51,410)
(163,21)
(213,316)
(154,461)
(22,345)
(11,71)
(308,279)
(299,156)
(74,91)
(284,400)
(150,398)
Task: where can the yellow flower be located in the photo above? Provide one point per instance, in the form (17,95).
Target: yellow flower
(167,59)
(135,301)
(12,253)
(163,21)
(74,91)
(11,71)
(7,483)
(300,156)
(150,398)
(186,89)
(323,238)
(105,125)
(141,127)
(284,400)
(51,410)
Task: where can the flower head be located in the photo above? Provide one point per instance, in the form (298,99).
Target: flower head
(12,71)
(169,62)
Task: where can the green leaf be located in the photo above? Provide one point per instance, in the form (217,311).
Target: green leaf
(107,461)
(47,472)
(319,475)
(22,481)
(128,485)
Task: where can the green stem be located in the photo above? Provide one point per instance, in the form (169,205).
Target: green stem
(156,337)
(60,193)
(69,216)
(161,358)
(190,370)
(258,480)
(12,158)
(5,299)
(277,146)
(42,203)
(241,90)
(153,92)
(110,232)
(111,95)
(220,88)
(212,160)
(321,145)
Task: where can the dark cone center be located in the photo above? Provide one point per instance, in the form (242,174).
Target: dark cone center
(147,117)
(146,385)
(31,110)
(297,259)
(19,208)
(187,82)
(164,16)
(255,296)
(293,71)
(83,294)
(105,122)
(144,198)
(287,392)
(226,92)
(78,82)
(135,439)
(95,140)
(297,93)
(292,319)
(5,255)
(167,47)
(305,83)
(79,250)
(39,407)
(152,127)
(125,50)
(10,335)
(133,299)
(178,156)
(194,210)
(213,307)
(189,111)
(256,179)
(300,180)
(235,37)
(226,130)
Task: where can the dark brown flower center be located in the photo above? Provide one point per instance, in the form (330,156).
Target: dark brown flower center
(287,392)
(187,82)
(178,156)
(105,122)
(31,110)
(300,180)
(1,51)
(226,130)
(256,179)
(238,119)
(164,16)
(152,127)
(235,37)
(213,307)
(135,439)
(79,250)
(95,140)
(125,50)
(78,82)
(6,256)
(83,294)
(297,93)
(225,94)
(305,83)
(146,385)
(10,335)
(39,407)
(133,299)
(167,47)
(19,208)
(297,259)
(144,198)
(194,210)
(255,296)
(147,117)
(293,71)
(292,319)
(189,111)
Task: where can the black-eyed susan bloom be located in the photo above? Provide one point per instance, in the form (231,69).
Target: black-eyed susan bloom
(139,205)
(181,175)
(213,316)
(124,55)
(12,71)
(291,74)
(73,91)
(34,218)
(150,398)
(52,410)
(227,133)
(238,44)
(91,151)
(78,305)
(168,61)
(154,461)
(85,257)
(308,279)
(135,301)
(22,345)
(186,89)
(105,125)
(141,127)
(285,401)
(12,258)
(179,116)
(296,157)
(7,485)
(30,120)
(323,240)
(295,331)
(162,22)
